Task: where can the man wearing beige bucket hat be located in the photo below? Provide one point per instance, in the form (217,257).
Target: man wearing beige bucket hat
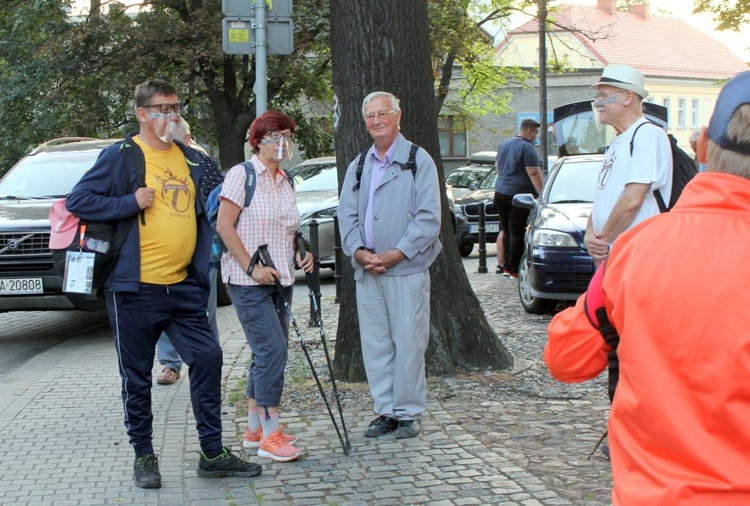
(628,176)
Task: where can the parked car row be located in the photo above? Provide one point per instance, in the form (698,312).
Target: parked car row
(555,265)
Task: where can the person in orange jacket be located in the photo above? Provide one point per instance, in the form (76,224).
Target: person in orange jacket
(679,427)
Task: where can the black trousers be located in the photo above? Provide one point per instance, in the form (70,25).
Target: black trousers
(137,321)
(513,226)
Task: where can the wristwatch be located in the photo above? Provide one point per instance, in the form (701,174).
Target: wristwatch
(250,268)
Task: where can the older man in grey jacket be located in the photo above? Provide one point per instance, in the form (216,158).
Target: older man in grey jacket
(389,216)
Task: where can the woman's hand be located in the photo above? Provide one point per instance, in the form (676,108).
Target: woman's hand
(265,275)
(306,264)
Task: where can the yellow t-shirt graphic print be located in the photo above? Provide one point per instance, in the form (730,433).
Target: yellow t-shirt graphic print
(169,235)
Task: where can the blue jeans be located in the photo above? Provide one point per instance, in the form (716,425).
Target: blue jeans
(265,321)
(165,352)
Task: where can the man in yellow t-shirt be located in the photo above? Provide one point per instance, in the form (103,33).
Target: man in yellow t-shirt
(160,282)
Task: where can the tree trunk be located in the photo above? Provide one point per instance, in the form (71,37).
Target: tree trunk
(385,45)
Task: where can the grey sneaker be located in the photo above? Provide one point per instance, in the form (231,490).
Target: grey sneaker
(146,472)
(407,429)
(226,465)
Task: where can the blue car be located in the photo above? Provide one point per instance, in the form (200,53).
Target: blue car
(555,265)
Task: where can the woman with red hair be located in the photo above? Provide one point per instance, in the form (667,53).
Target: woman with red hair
(271,219)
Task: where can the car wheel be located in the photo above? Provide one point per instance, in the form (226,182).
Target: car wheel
(532,305)
(465,248)
(222,294)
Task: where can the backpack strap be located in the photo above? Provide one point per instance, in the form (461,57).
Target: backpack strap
(657,194)
(250,183)
(597,316)
(360,168)
(411,164)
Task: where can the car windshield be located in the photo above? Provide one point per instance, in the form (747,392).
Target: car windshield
(464,178)
(489,180)
(315,177)
(47,174)
(574,182)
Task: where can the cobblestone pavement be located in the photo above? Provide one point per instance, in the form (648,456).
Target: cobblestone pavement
(510,438)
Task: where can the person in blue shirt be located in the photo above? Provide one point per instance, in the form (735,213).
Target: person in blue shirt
(518,171)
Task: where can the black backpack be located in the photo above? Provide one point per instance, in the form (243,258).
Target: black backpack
(99,238)
(683,170)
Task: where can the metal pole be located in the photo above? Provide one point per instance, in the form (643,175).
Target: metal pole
(261,63)
(482,241)
(315,275)
(338,257)
(542,20)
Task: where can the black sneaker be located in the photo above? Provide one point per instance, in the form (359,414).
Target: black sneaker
(146,472)
(407,429)
(226,465)
(380,426)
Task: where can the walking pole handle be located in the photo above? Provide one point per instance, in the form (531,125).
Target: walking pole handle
(265,256)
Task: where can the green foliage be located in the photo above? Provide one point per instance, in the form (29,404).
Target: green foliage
(65,76)
(459,41)
(731,14)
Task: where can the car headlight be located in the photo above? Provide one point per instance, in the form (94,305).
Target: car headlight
(553,238)
(323,214)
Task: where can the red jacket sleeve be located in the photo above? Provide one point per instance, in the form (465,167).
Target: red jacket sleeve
(575,350)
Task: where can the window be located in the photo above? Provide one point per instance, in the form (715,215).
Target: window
(695,117)
(668,104)
(681,113)
(452,138)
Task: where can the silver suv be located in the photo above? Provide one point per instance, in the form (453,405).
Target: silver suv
(28,280)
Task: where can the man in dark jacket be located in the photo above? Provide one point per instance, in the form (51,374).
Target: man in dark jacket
(150,187)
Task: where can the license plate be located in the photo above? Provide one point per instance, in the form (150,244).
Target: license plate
(488,228)
(20,286)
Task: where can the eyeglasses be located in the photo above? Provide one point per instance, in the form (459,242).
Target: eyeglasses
(166,108)
(604,99)
(381,115)
(277,136)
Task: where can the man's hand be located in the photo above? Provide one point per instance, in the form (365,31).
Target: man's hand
(597,247)
(144,197)
(378,263)
(370,261)
(391,257)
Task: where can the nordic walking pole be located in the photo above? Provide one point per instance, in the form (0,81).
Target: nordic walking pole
(265,259)
(300,241)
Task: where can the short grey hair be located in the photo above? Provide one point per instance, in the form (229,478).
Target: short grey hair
(375,94)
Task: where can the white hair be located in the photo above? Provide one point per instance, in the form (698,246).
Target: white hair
(375,94)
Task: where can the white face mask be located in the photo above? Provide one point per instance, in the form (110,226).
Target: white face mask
(170,132)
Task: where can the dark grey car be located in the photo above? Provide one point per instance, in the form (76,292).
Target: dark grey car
(28,281)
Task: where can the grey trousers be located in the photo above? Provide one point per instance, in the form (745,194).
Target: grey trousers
(394,325)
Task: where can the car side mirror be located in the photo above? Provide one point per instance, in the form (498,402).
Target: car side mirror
(524,201)
(473,186)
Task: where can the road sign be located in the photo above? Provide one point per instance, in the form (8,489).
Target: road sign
(245,8)
(279,9)
(237,8)
(237,35)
